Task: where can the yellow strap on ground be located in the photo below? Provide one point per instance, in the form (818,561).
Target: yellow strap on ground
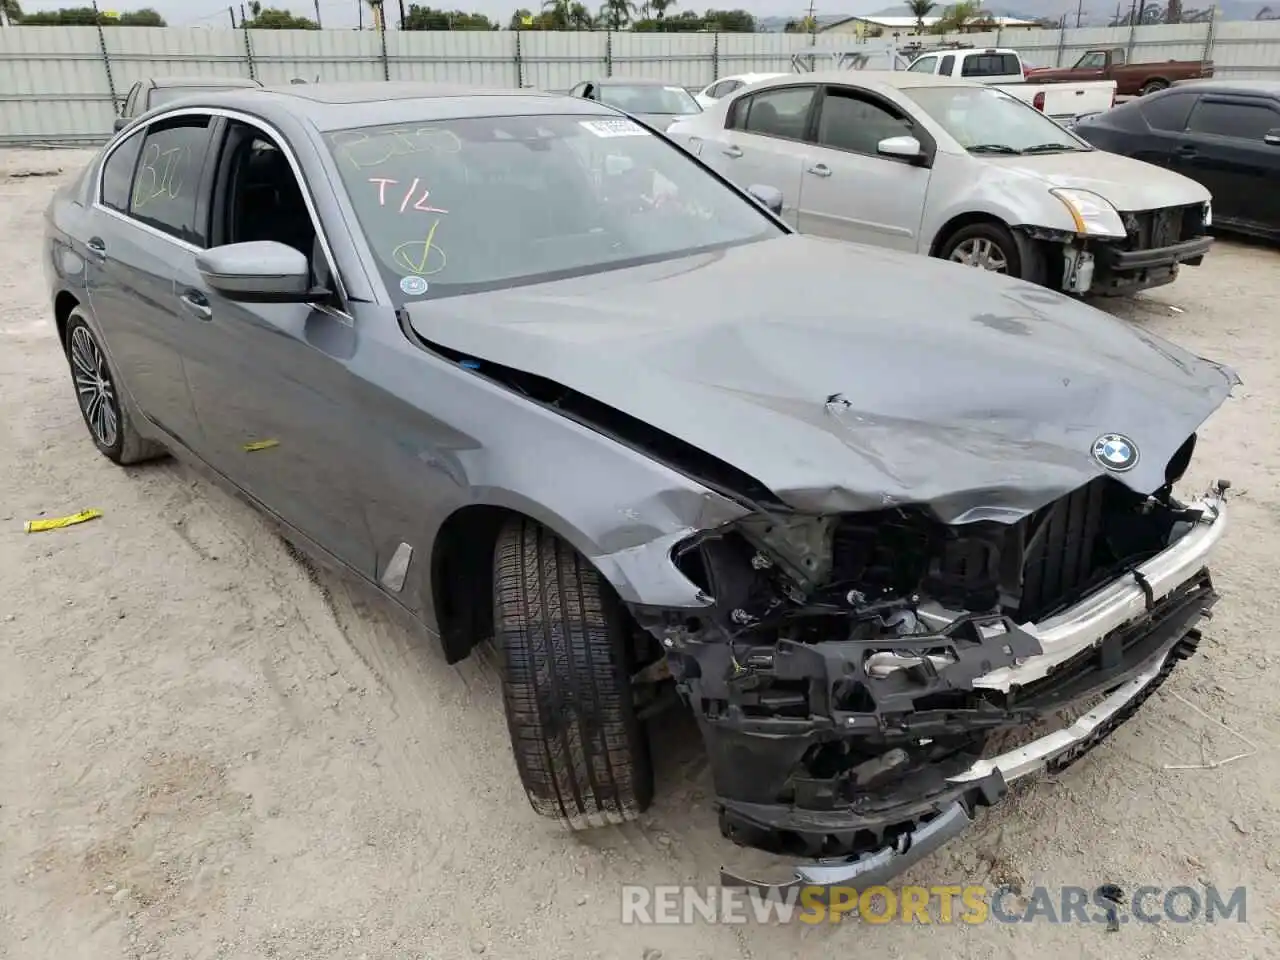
(57,523)
(260,445)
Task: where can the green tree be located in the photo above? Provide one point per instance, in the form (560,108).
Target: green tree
(428,18)
(615,14)
(269,18)
(957,18)
(146,17)
(729,21)
(920,9)
(12,10)
(660,7)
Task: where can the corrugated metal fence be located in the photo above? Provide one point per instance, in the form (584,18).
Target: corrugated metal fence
(66,84)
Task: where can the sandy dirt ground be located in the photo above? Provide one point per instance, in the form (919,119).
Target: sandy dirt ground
(208,751)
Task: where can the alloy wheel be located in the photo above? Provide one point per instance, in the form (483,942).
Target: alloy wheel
(94,389)
(981,252)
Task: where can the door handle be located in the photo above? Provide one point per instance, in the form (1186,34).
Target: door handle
(197,304)
(820,170)
(1186,150)
(97,248)
(732,152)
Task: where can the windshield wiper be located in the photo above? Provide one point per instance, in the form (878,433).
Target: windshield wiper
(994,148)
(1051,148)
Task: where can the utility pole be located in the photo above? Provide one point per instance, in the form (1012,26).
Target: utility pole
(232,13)
(1079,12)
(360,13)
(813,24)
(401,14)
(318,21)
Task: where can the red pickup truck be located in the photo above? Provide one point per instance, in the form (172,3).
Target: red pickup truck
(1130,78)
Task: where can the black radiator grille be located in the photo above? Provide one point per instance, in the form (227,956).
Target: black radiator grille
(1061,556)
(1152,229)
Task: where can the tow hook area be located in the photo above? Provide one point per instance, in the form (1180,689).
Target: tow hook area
(1077,269)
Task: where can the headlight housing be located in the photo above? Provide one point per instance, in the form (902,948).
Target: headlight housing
(1093,216)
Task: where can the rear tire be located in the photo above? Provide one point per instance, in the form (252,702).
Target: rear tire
(1153,86)
(562,638)
(106,411)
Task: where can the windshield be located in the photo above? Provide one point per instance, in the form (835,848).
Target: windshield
(986,120)
(647,98)
(463,206)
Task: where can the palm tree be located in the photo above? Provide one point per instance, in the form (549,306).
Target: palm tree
(660,7)
(580,17)
(616,14)
(920,9)
(556,14)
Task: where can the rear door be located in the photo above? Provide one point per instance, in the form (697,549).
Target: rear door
(851,191)
(1226,150)
(763,142)
(143,242)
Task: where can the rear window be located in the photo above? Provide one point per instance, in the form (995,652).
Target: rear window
(991,65)
(648,98)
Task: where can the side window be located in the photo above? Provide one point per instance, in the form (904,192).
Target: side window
(577,91)
(1243,121)
(851,122)
(780,112)
(724,88)
(258,197)
(990,65)
(1168,112)
(923,65)
(948,64)
(1093,60)
(117,174)
(168,177)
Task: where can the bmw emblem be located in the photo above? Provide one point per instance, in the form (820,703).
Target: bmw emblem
(1116,452)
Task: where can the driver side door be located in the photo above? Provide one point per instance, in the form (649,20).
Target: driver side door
(851,191)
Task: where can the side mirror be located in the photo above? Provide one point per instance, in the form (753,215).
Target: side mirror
(120,124)
(262,271)
(1272,137)
(768,197)
(907,148)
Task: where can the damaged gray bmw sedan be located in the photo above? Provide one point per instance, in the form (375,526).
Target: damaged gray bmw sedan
(543,380)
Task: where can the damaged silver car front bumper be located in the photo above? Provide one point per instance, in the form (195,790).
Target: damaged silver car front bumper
(1087,624)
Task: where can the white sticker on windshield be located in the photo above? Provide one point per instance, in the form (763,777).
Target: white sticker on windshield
(614,128)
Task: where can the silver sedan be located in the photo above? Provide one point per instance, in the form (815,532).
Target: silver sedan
(957,170)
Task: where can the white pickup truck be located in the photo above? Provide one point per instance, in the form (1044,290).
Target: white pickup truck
(1064,102)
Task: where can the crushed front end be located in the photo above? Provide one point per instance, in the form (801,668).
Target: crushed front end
(857,677)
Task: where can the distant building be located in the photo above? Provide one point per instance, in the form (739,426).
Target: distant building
(907,25)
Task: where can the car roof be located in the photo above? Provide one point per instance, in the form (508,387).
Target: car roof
(204,82)
(634,82)
(1265,87)
(339,106)
(881,81)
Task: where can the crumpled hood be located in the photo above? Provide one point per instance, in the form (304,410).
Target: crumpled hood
(846,377)
(1126,183)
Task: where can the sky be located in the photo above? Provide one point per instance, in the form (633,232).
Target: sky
(342,13)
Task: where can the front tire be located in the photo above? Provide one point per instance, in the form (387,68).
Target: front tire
(1153,86)
(562,638)
(993,247)
(106,413)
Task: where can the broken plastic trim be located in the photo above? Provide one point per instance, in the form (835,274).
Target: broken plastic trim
(990,779)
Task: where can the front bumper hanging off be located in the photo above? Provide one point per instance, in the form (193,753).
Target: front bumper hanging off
(1121,642)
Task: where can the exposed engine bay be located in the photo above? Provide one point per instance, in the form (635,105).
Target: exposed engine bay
(849,664)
